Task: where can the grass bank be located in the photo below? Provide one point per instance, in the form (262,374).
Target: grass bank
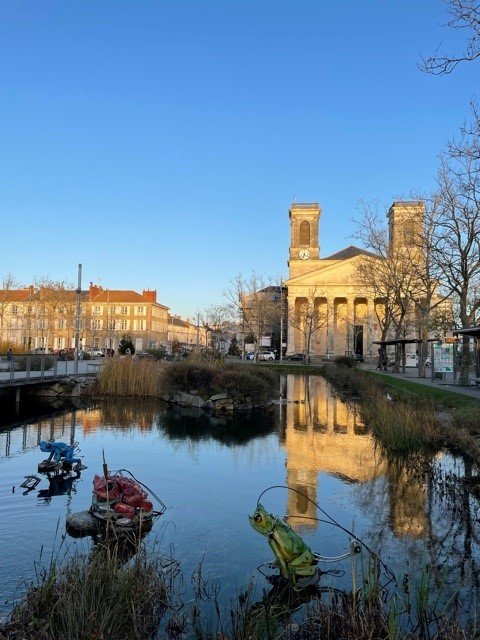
(407,417)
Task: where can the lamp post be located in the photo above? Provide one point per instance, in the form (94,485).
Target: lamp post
(77,318)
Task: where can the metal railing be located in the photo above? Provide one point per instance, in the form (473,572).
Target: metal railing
(24,368)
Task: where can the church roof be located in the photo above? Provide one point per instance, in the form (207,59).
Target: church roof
(350,252)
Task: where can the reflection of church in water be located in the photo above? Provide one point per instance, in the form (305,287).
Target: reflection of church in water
(324,435)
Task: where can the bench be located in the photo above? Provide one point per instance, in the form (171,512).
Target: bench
(475,381)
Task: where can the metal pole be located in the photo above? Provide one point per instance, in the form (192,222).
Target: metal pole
(77,318)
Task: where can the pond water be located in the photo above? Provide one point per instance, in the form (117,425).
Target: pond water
(211,472)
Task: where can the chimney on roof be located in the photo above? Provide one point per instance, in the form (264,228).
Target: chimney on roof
(93,291)
(151,296)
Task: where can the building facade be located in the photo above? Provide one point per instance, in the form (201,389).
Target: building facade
(45,318)
(349,316)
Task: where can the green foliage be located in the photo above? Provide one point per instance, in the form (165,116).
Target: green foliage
(234,349)
(244,386)
(191,375)
(344,361)
(35,362)
(126,343)
(158,354)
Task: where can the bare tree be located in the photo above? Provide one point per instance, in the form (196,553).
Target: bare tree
(430,294)
(463,15)
(386,275)
(456,250)
(214,320)
(256,302)
(308,317)
(8,285)
(54,308)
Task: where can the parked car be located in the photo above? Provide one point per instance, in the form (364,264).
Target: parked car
(97,353)
(294,357)
(65,354)
(250,355)
(266,355)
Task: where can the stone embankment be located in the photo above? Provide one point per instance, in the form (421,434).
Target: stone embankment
(70,387)
(218,403)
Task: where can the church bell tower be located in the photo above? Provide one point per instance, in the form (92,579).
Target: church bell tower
(304,249)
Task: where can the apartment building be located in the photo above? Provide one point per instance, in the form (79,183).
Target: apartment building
(112,313)
(45,318)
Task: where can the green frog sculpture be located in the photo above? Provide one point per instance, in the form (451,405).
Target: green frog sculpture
(293,557)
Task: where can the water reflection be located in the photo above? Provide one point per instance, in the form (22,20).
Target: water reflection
(323,434)
(210,471)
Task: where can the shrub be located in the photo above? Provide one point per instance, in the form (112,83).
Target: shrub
(244,386)
(126,343)
(159,354)
(35,362)
(344,361)
(189,376)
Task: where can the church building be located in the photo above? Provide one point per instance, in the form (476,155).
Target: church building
(349,314)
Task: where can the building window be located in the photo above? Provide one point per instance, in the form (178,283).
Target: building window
(111,325)
(140,311)
(14,309)
(140,325)
(97,311)
(96,324)
(124,324)
(124,311)
(305,232)
(61,323)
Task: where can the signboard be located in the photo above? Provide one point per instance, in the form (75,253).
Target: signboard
(443,357)
(265,341)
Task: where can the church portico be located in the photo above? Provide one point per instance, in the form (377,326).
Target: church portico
(323,293)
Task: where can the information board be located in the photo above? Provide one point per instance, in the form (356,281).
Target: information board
(443,357)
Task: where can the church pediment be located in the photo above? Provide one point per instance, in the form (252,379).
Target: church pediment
(329,272)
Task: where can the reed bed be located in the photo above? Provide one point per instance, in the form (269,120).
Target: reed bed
(130,377)
(93,597)
(401,422)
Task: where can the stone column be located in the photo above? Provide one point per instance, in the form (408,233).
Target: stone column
(370,349)
(291,330)
(349,322)
(330,332)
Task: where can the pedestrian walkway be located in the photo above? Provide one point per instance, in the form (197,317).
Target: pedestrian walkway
(64,368)
(411,375)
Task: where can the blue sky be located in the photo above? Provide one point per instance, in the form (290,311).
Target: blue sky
(160,144)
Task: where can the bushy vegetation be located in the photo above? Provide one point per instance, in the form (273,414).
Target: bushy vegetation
(401,423)
(126,345)
(35,362)
(96,596)
(404,422)
(191,375)
(344,361)
(149,377)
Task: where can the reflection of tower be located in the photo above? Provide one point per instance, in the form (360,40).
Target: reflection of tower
(408,502)
(322,433)
(301,511)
